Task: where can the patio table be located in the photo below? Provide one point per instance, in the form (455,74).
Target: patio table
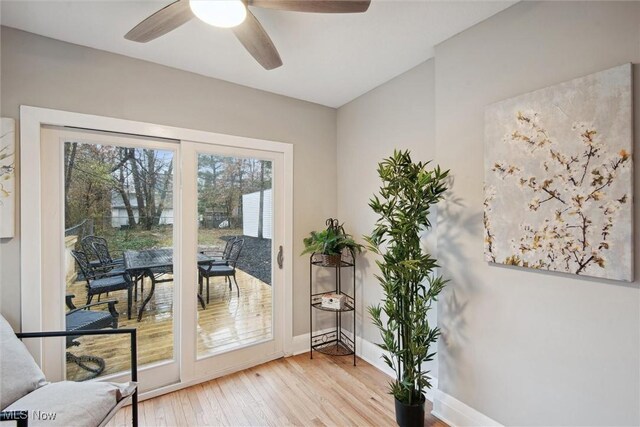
(154,263)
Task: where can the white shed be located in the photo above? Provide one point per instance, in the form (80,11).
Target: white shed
(251,213)
(119,215)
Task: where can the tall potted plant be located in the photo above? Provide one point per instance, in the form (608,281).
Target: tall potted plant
(407,277)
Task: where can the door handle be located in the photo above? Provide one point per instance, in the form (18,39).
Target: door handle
(280,258)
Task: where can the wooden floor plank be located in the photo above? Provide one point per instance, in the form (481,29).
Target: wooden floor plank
(164,414)
(176,407)
(229,404)
(331,399)
(294,391)
(216,414)
(319,397)
(276,400)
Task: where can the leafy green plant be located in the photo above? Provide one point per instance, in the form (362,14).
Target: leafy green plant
(407,193)
(331,241)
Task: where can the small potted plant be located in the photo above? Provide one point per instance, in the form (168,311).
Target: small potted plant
(407,277)
(330,243)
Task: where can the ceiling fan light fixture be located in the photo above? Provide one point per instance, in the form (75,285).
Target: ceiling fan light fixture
(219,13)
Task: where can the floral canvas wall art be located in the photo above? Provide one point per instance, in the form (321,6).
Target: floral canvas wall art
(559,178)
(7,177)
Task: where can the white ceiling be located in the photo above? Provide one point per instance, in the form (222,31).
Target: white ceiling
(329,59)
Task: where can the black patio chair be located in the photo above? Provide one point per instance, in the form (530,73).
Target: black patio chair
(99,282)
(87,248)
(101,253)
(217,258)
(224,268)
(83,319)
(221,256)
(106,262)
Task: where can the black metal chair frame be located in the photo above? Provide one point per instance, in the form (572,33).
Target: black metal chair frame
(224,254)
(82,361)
(218,258)
(101,249)
(87,247)
(93,274)
(22,417)
(105,261)
(110,303)
(108,264)
(209,270)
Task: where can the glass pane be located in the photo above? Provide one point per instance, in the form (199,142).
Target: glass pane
(234,252)
(118,244)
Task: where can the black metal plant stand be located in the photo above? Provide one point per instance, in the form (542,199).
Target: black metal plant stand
(337,341)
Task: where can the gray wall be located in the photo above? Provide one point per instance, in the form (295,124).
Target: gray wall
(42,72)
(525,347)
(398,114)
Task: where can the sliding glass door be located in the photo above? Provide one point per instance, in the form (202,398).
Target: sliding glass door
(235,248)
(182,241)
(116,237)
(234,232)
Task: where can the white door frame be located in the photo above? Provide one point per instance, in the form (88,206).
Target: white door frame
(32,119)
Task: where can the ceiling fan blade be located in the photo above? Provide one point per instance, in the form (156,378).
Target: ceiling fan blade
(314,6)
(166,19)
(256,40)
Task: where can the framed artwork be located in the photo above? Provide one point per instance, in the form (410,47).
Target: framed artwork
(559,178)
(7,177)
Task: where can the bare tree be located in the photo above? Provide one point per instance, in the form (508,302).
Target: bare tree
(163,193)
(70,158)
(121,184)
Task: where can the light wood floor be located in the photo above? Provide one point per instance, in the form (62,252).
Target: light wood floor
(226,322)
(293,391)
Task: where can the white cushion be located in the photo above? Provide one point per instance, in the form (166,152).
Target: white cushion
(19,373)
(71,404)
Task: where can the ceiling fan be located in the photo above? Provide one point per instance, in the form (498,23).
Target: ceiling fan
(235,14)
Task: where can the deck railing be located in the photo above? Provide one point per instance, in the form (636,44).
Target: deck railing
(85,228)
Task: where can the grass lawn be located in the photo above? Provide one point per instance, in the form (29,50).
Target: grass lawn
(120,240)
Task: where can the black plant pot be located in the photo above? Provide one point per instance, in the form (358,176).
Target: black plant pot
(410,415)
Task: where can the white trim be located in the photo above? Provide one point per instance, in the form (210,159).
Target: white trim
(372,354)
(36,117)
(287,251)
(31,121)
(299,345)
(455,413)
(30,272)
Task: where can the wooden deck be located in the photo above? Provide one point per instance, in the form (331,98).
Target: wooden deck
(226,322)
(294,391)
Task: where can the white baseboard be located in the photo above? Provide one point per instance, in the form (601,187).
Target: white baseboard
(457,414)
(372,354)
(366,350)
(300,344)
